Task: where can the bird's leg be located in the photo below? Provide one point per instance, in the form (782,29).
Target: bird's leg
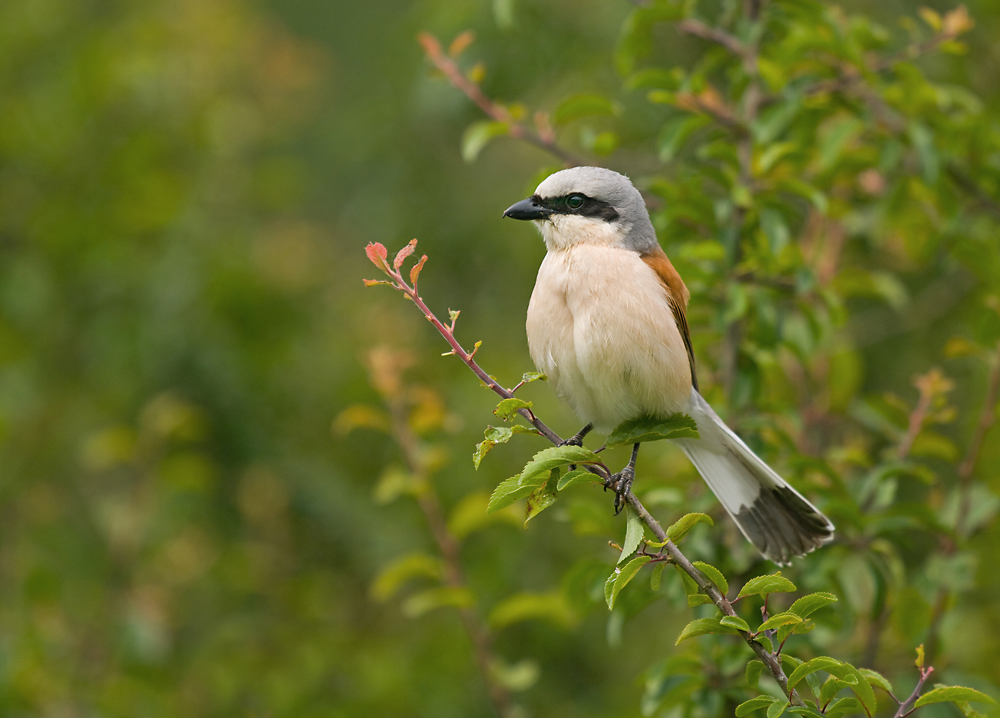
(577,438)
(622,482)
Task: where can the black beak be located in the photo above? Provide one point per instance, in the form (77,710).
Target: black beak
(527,209)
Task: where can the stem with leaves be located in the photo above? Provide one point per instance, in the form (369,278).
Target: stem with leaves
(379,257)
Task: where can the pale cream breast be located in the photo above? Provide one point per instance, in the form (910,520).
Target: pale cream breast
(600,325)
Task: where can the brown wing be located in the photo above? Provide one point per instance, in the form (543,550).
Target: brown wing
(677,295)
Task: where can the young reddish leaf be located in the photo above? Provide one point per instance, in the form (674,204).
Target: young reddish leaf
(402,254)
(415,270)
(377,254)
(430,44)
(460,43)
(373,282)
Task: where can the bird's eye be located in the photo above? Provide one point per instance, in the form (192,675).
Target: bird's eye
(575,201)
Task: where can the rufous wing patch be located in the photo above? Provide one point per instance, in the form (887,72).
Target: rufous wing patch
(678,296)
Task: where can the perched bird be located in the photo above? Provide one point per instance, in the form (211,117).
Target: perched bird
(607,324)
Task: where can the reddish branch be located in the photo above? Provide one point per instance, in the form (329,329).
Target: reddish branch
(543,138)
(378,255)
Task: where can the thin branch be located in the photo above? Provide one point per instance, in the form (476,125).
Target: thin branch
(771,661)
(714,34)
(987,416)
(430,506)
(496,112)
(906,707)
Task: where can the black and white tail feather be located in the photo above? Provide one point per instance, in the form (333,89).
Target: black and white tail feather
(773,516)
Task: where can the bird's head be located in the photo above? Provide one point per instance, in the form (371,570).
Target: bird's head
(588,205)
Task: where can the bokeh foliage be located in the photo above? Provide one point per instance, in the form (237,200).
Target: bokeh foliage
(184,190)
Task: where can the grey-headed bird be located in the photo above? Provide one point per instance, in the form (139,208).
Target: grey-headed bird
(606,323)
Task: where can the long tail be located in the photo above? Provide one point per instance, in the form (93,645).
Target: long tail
(773,516)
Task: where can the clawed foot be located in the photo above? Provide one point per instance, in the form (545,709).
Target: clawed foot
(622,485)
(577,438)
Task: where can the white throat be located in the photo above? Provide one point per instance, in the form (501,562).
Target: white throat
(563,231)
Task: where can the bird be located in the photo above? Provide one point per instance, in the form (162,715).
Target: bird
(607,324)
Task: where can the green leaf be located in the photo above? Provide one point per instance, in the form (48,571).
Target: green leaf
(478,135)
(681,526)
(774,583)
(954,694)
(863,689)
(530,376)
(498,435)
(702,626)
(633,533)
(810,603)
(508,407)
(398,572)
(541,498)
(735,622)
(556,456)
(635,431)
(754,669)
(441,597)
(776,709)
(820,663)
(530,606)
(714,575)
(470,515)
(844,706)
(780,619)
(577,106)
(698,599)
(748,707)
(620,578)
(515,677)
(677,131)
(513,489)
(765,642)
(832,686)
(577,476)
(876,679)
(654,580)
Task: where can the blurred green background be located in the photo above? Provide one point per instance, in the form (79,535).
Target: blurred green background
(186,188)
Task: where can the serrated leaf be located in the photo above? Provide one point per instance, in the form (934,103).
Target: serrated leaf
(478,135)
(862,689)
(508,407)
(774,583)
(735,622)
(714,575)
(820,663)
(844,706)
(698,599)
(832,686)
(513,489)
(684,524)
(395,574)
(441,597)
(635,431)
(765,642)
(876,679)
(808,604)
(495,435)
(578,106)
(633,533)
(780,619)
(541,498)
(940,694)
(530,376)
(754,669)
(577,476)
(556,456)
(748,707)
(776,709)
(703,626)
(621,577)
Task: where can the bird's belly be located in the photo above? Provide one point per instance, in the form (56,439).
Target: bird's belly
(600,325)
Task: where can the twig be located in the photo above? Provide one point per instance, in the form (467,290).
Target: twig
(714,34)
(377,254)
(906,707)
(450,69)
(430,506)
